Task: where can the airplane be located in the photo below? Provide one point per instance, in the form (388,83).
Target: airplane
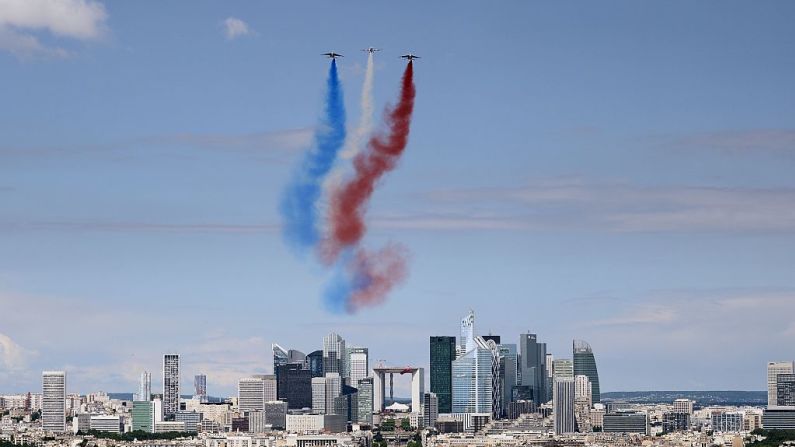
(333,55)
(371,49)
(410,57)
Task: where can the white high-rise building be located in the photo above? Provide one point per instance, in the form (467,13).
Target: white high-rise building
(333,354)
(319,395)
(773,370)
(53,405)
(251,394)
(563,405)
(583,391)
(359,364)
(145,387)
(170,384)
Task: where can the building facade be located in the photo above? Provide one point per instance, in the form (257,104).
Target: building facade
(473,381)
(563,405)
(430,409)
(364,400)
(358,364)
(319,395)
(200,385)
(773,370)
(585,364)
(785,390)
(170,385)
(532,370)
(443,349)
(143,416)
(333,354)
(145,387)
(294,385)
(53,401)
(251,394)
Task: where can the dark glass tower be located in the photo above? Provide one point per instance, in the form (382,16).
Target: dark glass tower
(532,367)
(442,356)
(294,385)
(585,365)
(315,361)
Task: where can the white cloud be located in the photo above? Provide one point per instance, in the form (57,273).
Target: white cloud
(12,355)
(75,19)
(234,28)
(25,45)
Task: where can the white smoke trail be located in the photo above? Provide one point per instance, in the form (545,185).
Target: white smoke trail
(358,137)
(362,132)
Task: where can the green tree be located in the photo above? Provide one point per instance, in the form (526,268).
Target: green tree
(405,424)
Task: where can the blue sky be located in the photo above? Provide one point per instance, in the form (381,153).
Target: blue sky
(619,172)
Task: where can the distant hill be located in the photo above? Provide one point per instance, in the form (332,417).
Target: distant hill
(702,398)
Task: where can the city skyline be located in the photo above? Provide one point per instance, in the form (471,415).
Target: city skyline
(616,173)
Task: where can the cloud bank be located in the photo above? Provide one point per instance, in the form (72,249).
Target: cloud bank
(21,20)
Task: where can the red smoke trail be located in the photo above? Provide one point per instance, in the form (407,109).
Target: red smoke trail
(375,274)
(348,203)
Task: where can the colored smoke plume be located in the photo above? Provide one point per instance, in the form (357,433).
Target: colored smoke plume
(364,278)
(348,202)
(299,205)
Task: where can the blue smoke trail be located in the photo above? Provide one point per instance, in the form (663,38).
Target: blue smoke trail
(300,199)
(340,286)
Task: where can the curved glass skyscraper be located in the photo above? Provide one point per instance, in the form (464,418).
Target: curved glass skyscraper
(585,364)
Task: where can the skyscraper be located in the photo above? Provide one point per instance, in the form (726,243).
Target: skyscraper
(563,404)
(496,378)
(170,385)
(364,400)
(315,362)
(585,364)
(280,356)
(200,385)
(294,385)
(53,401)
(532,356)
(145,387)
(333,391)
(333,354)
(319,395)
(773,370)
(358,364)
(508,364)
(467,341)
(442,356)
(251,394)
(473,380)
